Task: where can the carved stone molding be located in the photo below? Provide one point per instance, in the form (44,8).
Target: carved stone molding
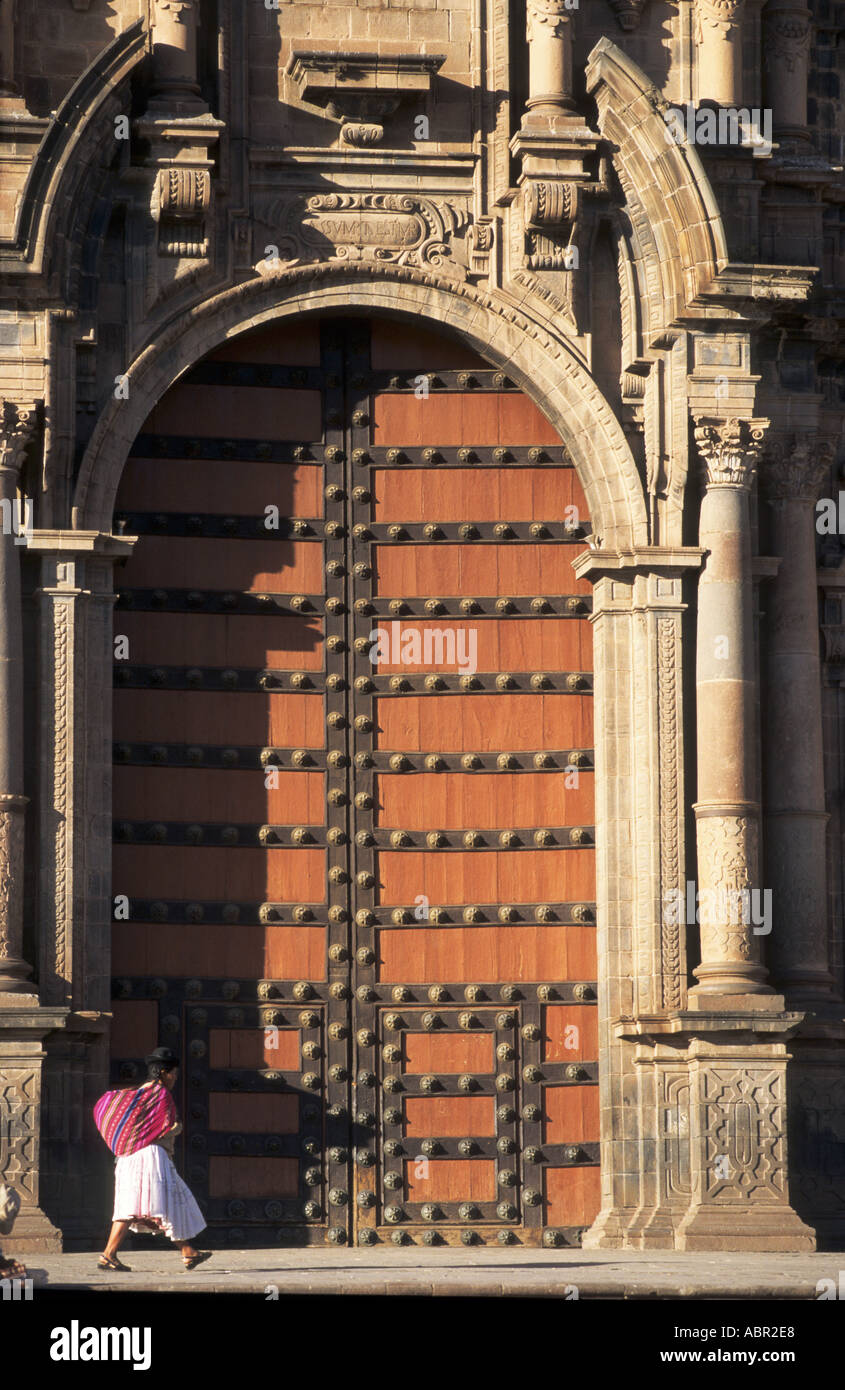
(729,450)
(793,468)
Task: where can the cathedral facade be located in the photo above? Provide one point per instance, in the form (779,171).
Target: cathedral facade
(471,825)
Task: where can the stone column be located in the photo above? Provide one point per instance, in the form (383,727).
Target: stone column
(727,813)
(718,34)
(786,52)
(175,52)
(549,58)
(791,474)
(18,427)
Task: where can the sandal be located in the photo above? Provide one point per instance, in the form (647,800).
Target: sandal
(12,1269)
(112,1262)
(198,1259)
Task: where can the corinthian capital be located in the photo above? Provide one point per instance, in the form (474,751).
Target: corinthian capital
(547,18)
(729,450)
(724,16)
(794,467)
(17,430)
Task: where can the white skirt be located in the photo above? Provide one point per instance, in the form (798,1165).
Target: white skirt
(149,1192)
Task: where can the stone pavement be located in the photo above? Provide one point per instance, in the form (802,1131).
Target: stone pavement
(604,1274)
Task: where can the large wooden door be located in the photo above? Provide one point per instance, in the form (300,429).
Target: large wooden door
(354,863)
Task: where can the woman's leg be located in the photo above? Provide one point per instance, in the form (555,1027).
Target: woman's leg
(116,1238)
(188,1250)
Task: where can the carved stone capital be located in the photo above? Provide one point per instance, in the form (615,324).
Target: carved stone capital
(729,450)
(173,12)
(786,35)
(723,16)
(794,467)
(547,19)
(20,422)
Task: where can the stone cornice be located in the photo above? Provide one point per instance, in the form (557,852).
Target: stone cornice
(82,543)
(593,564)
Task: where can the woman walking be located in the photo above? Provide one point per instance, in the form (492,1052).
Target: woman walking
(140,1126)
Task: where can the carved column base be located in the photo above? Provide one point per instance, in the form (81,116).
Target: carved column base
(764,1228)
(22,1031)
(32,1234)
(608,1231)
(707,1138)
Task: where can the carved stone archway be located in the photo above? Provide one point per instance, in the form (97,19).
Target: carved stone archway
(541,362)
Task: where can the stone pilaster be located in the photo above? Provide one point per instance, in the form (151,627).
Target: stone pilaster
(76,597)
(641,867)
(791,474)
(786,54)
(18,428)
(718,36)
(727,813)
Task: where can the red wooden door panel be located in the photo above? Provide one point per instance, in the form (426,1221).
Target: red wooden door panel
(353,796)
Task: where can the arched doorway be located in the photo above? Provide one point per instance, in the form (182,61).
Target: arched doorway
(354,792)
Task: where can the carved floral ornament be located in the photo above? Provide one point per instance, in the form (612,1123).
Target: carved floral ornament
(794,468)
(18,429)
(729,450)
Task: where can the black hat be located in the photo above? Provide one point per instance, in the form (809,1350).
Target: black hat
(163,1056)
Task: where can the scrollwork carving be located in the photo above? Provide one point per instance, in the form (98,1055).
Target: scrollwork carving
(392,227)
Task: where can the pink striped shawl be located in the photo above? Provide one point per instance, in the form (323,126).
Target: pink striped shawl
(132,1119)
